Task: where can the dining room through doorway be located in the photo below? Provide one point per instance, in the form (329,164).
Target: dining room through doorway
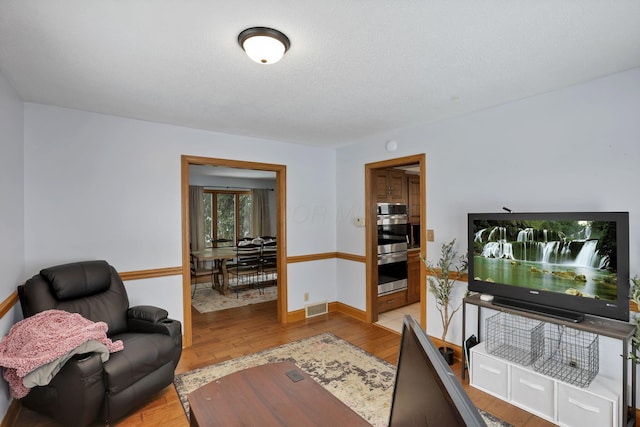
(231,207)
(229,192)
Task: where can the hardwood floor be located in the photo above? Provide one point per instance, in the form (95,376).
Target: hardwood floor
(228,334)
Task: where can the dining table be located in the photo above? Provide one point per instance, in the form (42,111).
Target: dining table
(220,256)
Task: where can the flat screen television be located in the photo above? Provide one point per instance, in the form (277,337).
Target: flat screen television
(564,264)
(426,392)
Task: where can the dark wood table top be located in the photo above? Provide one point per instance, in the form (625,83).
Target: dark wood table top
(266,396)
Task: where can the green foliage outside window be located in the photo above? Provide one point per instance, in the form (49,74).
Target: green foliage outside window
(245,216)
(226,223)
(226,216)
(208,218)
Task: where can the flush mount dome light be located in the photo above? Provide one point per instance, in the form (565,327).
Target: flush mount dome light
(264,45)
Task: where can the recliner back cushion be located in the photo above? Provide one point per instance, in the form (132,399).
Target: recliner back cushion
(53,289)
(78,280)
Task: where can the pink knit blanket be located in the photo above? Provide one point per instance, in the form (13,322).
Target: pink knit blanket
(43,338)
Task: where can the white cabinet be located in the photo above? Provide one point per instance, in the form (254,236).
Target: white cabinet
(532,392)
(594,406)
(549,398)
(490,374)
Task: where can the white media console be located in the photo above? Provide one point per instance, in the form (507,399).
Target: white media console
(603,403)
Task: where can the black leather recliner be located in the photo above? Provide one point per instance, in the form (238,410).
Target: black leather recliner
(87,390)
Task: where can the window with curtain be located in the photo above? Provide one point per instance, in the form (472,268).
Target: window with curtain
(260,221)
(227,215)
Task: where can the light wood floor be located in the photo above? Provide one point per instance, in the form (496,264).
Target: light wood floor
(228,334)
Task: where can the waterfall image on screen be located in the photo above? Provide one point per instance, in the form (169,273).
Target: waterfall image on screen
(571,257)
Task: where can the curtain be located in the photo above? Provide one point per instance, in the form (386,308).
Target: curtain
(196,217)
(260,223)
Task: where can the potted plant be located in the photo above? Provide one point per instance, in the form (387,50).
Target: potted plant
(635,340)
(441,278)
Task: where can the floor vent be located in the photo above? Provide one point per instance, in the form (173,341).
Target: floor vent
(316,309)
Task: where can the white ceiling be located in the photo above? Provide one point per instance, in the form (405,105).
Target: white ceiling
(355,68)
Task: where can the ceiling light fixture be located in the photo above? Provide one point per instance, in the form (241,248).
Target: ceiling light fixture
(264,45)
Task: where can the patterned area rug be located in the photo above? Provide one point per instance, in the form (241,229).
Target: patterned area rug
(206,299)
(359,379)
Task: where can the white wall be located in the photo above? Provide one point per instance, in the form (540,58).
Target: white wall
(570,150)
(351,285)
(104,187)
(11,208)
(299,274)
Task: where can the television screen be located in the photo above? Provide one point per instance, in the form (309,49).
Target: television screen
(426,392)
(572,261)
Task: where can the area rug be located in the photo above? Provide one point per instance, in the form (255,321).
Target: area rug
(206,299)
(359,379)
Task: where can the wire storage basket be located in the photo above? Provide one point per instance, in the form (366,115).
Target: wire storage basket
(515,338)
(569,355)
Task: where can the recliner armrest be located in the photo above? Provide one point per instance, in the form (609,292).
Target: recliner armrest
(149,319)
(147,313)
(75,394)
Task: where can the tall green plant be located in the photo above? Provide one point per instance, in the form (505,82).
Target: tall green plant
(635,340)
(442,276)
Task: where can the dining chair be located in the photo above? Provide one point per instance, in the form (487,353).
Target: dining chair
(269,261)
(246,266)
(216,243)
(202,269)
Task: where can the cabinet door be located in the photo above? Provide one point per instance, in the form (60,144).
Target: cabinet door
(398,187)
(413,277)
(392,301)
(414,199)
(382,187)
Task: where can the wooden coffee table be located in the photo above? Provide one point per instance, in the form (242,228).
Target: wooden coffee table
(265,396)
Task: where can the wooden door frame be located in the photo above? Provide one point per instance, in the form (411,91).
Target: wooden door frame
(371,232)
(281,232)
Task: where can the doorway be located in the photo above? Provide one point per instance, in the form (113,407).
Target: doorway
(280,233)
(419,162)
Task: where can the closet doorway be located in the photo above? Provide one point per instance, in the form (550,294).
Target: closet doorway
(279,230)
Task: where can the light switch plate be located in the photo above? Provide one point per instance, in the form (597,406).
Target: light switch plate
(430,236)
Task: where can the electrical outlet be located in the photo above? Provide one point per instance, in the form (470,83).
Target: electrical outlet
(306,296)
(430,236)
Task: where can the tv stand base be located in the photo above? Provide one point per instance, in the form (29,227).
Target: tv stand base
(548,398)
(618,330)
